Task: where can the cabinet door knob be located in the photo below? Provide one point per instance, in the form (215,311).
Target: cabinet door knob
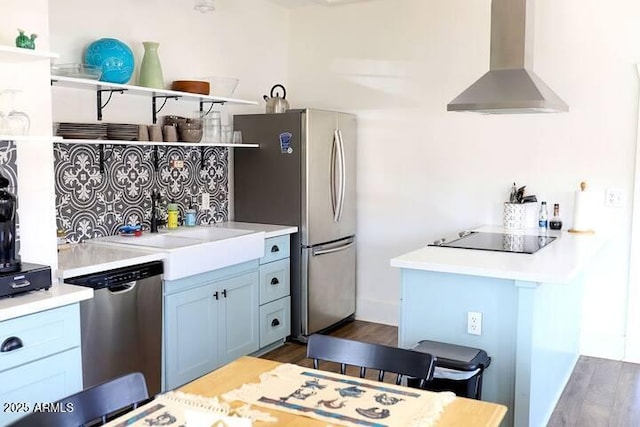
(275,248)
(224,293)
(275,281)
(10,344)
(216,294)
(274,323)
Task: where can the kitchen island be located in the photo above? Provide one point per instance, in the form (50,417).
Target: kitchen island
(531,308)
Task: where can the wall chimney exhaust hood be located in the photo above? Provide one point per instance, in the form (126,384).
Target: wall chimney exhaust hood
(510,86)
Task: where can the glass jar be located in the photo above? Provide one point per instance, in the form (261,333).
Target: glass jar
(212,127)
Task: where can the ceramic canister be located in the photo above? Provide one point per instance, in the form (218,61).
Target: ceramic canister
(514,216)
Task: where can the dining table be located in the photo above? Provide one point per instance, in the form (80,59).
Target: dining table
(247,370)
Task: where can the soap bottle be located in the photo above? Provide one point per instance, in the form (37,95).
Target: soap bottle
(172,215)
(190,216)
(543,216)
(556,222)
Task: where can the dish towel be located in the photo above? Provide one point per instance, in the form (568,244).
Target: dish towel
(342,400)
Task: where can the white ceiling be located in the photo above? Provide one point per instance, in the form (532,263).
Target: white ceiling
(302,3)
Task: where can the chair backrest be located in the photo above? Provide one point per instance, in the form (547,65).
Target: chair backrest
(382,358)
(93,403)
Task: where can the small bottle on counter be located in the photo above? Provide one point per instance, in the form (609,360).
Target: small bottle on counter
(556,222)
(190,216)
(172,215)
(61,239)
(543,216)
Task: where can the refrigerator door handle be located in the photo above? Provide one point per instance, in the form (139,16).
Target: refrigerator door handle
(334,197)
(343,178)
(332,250)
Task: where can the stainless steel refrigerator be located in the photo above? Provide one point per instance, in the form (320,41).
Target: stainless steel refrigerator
(304,174)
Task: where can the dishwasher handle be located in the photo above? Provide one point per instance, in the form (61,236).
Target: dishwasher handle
(122,288)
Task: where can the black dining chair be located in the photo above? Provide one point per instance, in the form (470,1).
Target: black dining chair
(399,361)
(93,405)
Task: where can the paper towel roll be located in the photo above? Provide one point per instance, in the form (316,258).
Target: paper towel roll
(583,209)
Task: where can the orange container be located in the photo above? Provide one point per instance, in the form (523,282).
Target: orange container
(191,86)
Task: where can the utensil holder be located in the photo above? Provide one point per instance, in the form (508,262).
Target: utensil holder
(513,217)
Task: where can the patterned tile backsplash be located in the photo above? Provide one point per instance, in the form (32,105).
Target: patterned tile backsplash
(93,203)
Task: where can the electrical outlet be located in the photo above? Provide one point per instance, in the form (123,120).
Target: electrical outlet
(177,164)
(474,323)
(614,198)
(205,202)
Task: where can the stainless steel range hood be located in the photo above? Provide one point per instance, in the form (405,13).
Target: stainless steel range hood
(510,86)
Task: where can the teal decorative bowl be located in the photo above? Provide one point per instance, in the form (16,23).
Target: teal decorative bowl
(114,57)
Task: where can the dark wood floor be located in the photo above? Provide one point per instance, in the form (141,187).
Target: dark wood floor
(600,392)
(294,352)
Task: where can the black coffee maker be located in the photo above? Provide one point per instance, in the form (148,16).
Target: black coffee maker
(8,260)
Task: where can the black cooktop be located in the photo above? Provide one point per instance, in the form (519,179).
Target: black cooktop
(497,242)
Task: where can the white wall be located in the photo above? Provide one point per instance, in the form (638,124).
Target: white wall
(424,173)
(36,207)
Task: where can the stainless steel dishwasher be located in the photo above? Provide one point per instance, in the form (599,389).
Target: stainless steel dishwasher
(122,325)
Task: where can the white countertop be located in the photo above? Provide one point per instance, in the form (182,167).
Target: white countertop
(85,258)
(558,262)
(270,230)
(32,302)
(80,259)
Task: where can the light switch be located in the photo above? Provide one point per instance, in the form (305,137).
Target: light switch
(205,202)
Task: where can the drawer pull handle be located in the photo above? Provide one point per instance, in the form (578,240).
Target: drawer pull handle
(275,281)
(275,248)
(224,293)
(216,294)
(274,323)
(20,284)
(10,344)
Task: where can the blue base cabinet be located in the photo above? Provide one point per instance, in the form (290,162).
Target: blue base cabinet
(275,300)
(47,367)
(238,317)
(191,335)
(210,319)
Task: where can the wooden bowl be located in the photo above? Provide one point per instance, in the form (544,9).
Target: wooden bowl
(191,86)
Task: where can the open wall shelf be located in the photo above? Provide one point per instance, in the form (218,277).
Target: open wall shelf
(155,94)
(158,143)
(30,138)
(9,54)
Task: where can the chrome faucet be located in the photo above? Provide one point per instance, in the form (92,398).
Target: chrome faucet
(155,221)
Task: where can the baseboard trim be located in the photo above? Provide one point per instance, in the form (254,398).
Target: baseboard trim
(377,311)
(603,346)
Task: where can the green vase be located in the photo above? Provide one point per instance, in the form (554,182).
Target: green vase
(150,69)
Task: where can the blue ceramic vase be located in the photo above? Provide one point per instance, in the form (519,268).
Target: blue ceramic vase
(114,57)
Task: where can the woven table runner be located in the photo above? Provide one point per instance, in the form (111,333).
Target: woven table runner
(177,409)
(342,400)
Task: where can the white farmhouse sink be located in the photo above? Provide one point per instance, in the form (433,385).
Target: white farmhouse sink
(195,250)
(158,241)
(209,233)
